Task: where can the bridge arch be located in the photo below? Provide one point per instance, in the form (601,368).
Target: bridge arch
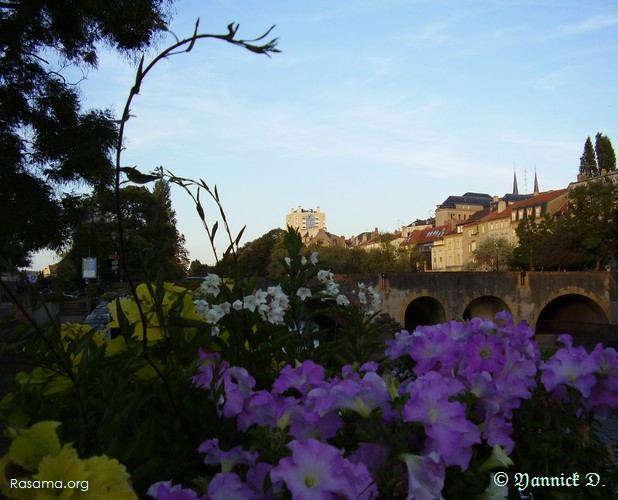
(485,306)
(572,310)
(422,310)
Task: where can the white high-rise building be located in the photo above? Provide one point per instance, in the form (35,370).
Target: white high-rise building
(305,220)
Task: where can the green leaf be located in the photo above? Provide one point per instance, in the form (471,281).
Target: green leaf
(134,175)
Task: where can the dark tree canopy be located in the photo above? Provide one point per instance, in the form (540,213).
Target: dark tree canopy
(547,244)
(48,143)
(593,220)
(152,242)
(606,157)
(494,253)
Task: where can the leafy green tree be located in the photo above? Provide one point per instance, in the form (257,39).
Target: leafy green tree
(593,220)
(174,260)
(196,268)
(549,245)
(255,256)
(588,162)
(606,157)
(153,243)
(494,253)
(47,141)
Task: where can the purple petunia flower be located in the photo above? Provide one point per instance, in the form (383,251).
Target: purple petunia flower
(227,459)
(315,471)
(399,346)
(484,354)
(571,366)
(603,398)
(448,431)
(260,408)
(230,487)
(163,490)
(433,350)
(425,476)
(238,385)
(303,378)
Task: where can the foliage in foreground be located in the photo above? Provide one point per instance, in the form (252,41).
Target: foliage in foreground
(277,405)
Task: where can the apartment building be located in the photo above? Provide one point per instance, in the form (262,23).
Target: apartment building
(304,220)
(457,209)
(456,248)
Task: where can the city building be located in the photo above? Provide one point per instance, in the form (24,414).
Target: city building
(321,237)
(459,208)
(304,220)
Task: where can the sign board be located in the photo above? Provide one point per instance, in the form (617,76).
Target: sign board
(89,268)
(32,278)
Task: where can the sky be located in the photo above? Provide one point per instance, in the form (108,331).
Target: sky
(375,110)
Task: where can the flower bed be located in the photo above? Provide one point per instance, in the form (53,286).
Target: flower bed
(275,406)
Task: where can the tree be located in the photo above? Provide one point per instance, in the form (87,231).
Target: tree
(174,260)
(46,140)
(593,220)
(255,256)
(606,157)
(198,269)
(153,243)
(494,253)
(549,245)
(587,163)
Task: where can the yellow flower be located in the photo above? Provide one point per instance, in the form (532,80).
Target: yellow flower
(65,467)
(108,479)
(31,445)
(154,331)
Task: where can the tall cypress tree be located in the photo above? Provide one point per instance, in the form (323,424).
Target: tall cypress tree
(587,162)
(606,157)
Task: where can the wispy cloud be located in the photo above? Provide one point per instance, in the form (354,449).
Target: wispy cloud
(554,79)
(429,35)
(595,23)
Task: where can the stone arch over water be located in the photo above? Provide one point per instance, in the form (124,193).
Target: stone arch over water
(571,311)
(485,306)
(423,310)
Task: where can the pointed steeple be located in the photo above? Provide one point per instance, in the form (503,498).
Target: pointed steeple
(536,183)
(515,188)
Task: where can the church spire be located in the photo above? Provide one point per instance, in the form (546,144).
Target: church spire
(536,183)
(515,188)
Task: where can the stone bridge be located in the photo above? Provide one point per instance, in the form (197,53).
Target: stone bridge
(584,304)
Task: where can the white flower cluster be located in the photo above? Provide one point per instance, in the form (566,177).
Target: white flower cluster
(366,294)
(210,285)
(270,304)
(332,288)
(212,313)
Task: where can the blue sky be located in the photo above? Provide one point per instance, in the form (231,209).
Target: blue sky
(376,111)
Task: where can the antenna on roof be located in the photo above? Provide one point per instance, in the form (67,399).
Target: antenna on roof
(526,180)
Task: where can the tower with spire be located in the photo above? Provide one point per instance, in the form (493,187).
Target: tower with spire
(515,188)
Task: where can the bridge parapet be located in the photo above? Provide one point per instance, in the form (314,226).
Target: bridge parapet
(543,299)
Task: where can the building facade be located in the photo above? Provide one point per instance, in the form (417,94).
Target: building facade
(304,220)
